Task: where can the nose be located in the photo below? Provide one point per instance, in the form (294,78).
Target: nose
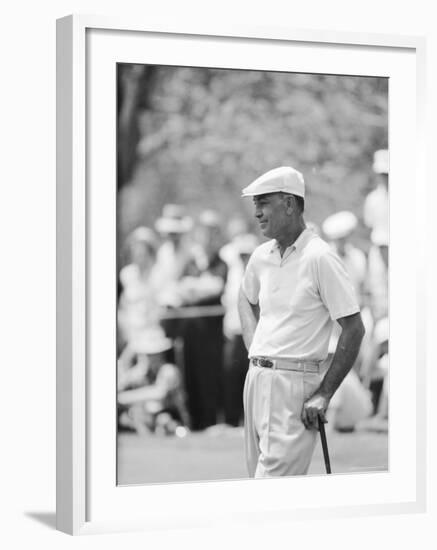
(258,212)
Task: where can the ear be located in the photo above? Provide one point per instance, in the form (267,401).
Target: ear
(289,204)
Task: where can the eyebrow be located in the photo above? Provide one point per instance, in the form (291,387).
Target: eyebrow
(264,197)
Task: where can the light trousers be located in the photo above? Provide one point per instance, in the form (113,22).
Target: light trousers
(276,441)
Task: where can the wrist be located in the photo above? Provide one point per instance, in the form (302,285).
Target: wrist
(325,392)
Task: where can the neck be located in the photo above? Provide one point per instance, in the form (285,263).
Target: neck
(290,236)
(341,248)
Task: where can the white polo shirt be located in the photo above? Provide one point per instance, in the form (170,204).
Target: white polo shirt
(299,296)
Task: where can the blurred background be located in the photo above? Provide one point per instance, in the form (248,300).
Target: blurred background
(189,139)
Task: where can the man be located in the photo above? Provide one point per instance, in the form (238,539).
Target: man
(235,354)
(202,286)
(293,289)
(376,203)
(338,229)
(174,254)
(376,218)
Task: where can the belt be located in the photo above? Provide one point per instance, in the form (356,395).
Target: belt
(286,364)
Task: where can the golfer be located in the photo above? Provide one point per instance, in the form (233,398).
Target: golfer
(294,288)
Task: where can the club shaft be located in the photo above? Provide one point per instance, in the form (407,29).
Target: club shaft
(324,446)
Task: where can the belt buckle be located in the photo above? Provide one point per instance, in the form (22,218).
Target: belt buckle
(266,363)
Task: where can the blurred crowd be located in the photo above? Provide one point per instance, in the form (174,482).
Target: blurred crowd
(181,357)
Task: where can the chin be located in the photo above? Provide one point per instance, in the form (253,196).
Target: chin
(264,231)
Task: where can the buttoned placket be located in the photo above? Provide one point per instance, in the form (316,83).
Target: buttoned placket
(282,260)
(287,253)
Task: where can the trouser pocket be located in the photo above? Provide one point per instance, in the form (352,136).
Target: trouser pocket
(311,383)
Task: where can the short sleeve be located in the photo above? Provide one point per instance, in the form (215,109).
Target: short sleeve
(336,290)
(250,283)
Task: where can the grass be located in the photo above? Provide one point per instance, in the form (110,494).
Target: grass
(218,453)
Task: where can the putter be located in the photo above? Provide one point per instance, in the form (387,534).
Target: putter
(324,445)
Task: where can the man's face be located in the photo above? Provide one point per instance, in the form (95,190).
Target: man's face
(141,254)
(271,213)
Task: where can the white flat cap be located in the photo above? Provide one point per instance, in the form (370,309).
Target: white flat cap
(284,178)
(339,225)
(380,161)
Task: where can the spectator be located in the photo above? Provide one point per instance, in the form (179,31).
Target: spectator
(376,203)
(202,286)
(235,354)
(351,404)
(138,309)
(338,230)
(376,218)
(377,276)
(205,274)
(150,392)
(375,370)
(236,226)
(174,253)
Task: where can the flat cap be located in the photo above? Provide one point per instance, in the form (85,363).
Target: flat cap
(339,225)
(283,179)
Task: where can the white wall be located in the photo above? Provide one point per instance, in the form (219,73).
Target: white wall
(27,307)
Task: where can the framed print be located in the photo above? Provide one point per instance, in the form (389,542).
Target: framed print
(160,129)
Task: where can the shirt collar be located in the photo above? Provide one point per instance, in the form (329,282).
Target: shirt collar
(298,244)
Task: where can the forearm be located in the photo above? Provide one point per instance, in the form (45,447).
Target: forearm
(145,393)
(249,315)
(345,355)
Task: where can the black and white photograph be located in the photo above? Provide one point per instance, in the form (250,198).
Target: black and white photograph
(219,256)
(252,274)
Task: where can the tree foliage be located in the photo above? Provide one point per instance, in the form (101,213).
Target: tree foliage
(197,136)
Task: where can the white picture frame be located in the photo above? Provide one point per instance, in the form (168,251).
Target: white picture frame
(77,237)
